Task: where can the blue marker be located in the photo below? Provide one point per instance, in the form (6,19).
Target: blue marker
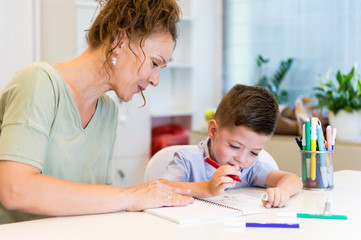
(321,147)
(261,225)
(319,177)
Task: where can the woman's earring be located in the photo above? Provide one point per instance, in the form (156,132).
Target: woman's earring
(114,60)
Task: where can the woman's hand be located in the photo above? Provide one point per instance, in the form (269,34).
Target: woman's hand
(156,194)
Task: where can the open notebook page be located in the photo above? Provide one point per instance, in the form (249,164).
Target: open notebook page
(199,211)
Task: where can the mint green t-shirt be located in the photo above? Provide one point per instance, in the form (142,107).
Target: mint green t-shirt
(40,125)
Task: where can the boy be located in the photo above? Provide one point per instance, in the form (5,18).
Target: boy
(244,121)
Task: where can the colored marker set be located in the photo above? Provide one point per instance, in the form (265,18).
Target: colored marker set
(317,155)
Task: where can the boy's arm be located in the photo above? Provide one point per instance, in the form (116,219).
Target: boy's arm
(283,186)
(219,182)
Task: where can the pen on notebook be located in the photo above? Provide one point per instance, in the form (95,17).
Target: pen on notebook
(216,165)
(260,225)
(307,215)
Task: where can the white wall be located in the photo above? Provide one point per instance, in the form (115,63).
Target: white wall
(58,30)
(207,57)
(35,30)
(18,36)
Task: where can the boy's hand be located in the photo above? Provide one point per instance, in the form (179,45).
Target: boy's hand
(277,197)
(220,181)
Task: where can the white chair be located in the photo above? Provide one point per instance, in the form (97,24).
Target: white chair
(159,162)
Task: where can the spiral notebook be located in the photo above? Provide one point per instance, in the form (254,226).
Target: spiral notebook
(201,210)
(214,208)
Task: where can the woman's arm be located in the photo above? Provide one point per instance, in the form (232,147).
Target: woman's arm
(283,186)
(198,189)
(24,188)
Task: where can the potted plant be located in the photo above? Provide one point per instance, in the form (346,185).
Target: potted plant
(342,98)
(273,83)
(286,121)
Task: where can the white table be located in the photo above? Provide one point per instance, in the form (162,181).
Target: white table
(127,225)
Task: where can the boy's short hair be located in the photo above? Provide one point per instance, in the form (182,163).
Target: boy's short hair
(251,106)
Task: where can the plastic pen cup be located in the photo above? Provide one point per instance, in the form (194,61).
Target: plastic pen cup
(324,170)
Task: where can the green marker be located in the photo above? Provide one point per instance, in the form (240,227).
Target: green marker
(308,146)
(308,134)
(306,215)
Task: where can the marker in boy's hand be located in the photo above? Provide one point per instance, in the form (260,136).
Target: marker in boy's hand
(216,165)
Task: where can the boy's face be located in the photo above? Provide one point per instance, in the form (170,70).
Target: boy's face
(238,146)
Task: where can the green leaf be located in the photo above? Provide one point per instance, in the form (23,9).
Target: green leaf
(346,94)
(273,84)
(260,61)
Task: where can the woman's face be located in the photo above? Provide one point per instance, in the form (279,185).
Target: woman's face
(131,75)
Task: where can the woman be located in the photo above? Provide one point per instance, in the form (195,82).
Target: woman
(58,128)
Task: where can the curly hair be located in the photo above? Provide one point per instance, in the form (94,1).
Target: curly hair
(137,18)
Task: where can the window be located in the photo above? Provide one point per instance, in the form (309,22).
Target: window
(319,35)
